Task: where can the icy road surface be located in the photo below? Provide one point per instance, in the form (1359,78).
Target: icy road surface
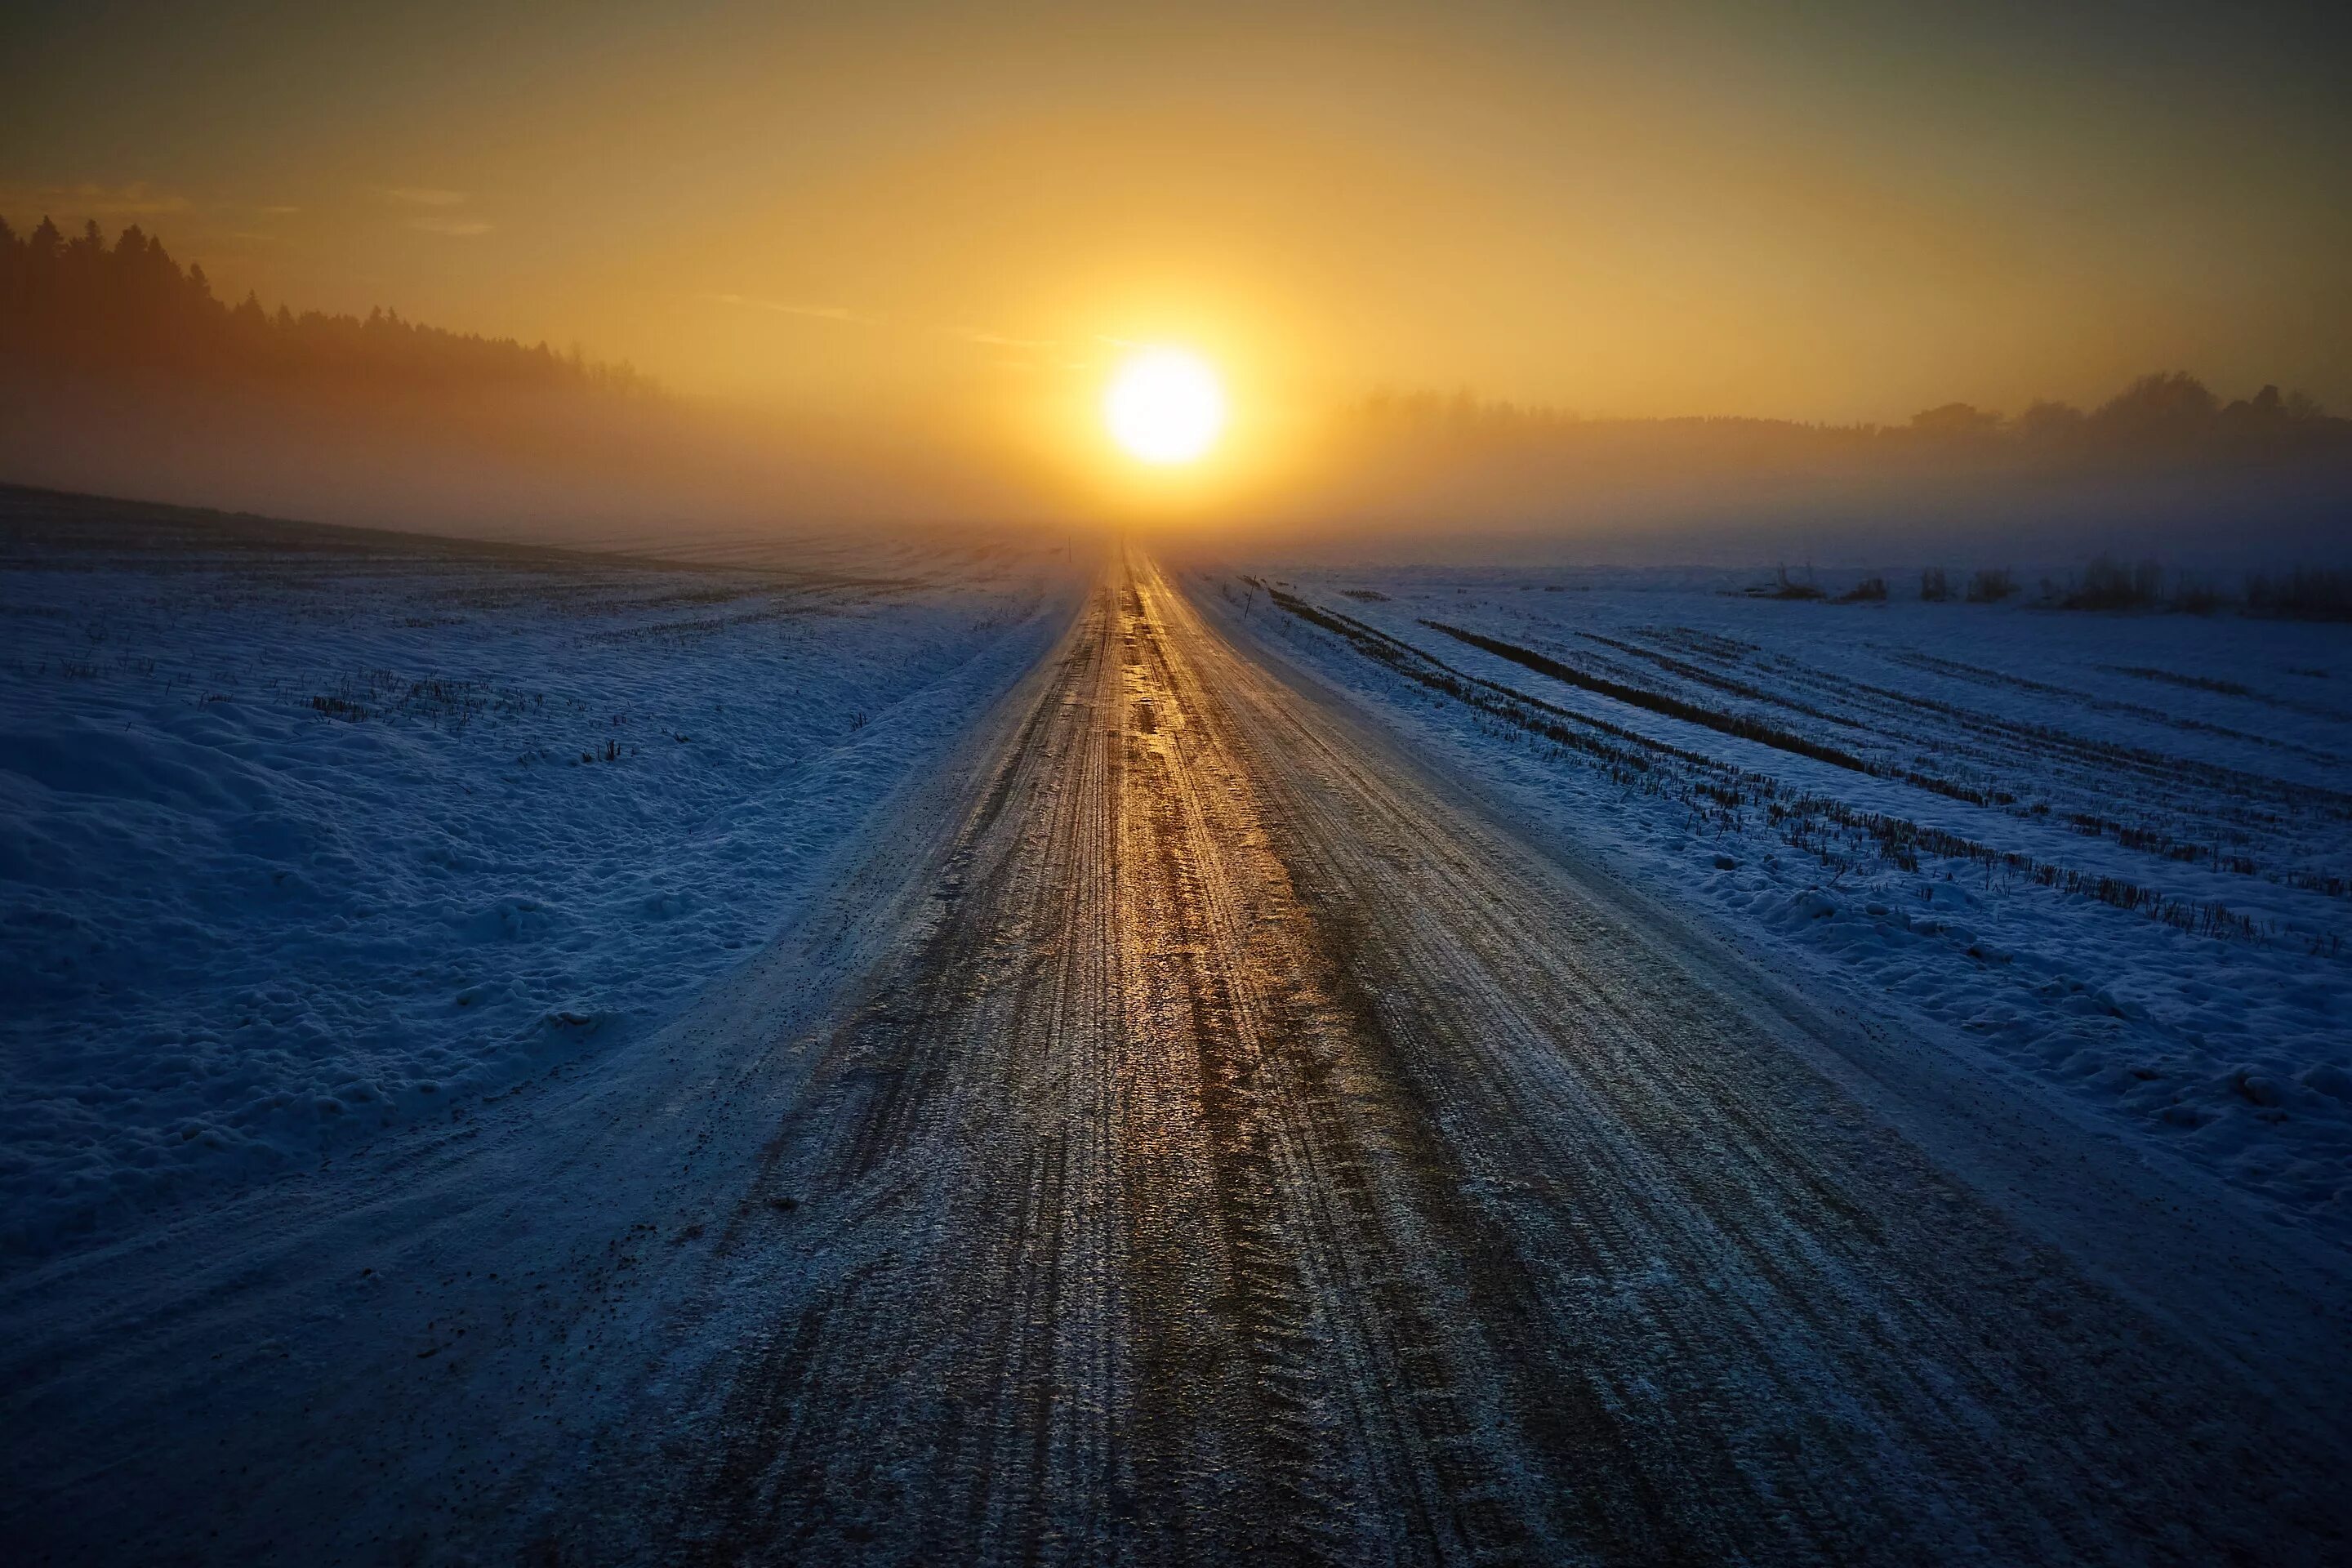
(1188,1130)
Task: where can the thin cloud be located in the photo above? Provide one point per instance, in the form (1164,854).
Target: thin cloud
(134,200)
(778,307)
(277,212)
(424,196)
(463,227)
(975,335)
(999,340)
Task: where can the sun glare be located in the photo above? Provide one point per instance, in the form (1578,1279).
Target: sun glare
(1165,406)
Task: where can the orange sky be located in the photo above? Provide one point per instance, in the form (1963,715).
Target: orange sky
(941,214)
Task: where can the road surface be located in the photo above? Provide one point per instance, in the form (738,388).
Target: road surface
(1235,1145)
(1260,1158)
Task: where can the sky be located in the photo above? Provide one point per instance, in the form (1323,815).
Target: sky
(964,215)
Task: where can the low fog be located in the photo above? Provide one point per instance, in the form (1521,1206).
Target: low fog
(2165,465)
(120,373)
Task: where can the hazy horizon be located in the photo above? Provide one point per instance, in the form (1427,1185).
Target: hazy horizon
(882,266)
(1838,218)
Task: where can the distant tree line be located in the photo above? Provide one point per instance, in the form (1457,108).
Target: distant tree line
(80,303)
(2172,416)
(2170,411)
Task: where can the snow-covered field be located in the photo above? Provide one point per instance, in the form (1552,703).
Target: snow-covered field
(305,833)
(2115,850)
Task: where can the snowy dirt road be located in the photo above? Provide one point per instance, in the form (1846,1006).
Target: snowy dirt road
(1262,1159)
(1216,1142)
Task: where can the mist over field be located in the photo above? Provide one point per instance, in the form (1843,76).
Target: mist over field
(1433,478)
(120,373)
(123,374)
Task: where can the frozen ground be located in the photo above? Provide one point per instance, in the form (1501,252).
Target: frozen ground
(1176,1125)
(2116,851)
(306,833)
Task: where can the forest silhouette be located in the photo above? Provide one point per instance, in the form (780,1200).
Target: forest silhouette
(122,373)
(84,303)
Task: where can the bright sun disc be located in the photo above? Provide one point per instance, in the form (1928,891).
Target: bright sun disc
(1165,406)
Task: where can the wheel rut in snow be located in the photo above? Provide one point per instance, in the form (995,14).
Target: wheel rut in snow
(1253,1157)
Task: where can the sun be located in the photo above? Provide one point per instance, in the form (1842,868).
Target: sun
(1165,406)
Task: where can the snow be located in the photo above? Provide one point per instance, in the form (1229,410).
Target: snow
(1923,799)
(307,834)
